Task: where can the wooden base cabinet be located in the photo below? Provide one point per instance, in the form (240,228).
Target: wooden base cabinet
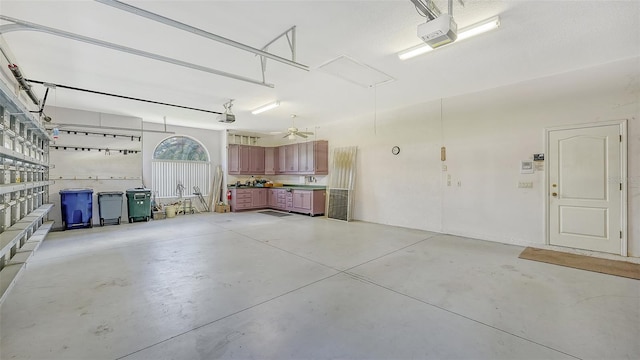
(277,199)
(310,202)
(241,199)
(259,198)
(272,197)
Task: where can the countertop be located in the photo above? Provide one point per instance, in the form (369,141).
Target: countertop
(285,186)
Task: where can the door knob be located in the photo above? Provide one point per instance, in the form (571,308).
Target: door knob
(554,194)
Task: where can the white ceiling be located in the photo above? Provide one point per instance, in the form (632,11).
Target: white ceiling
(536,39)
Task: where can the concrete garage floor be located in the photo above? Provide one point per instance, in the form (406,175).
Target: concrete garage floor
(250,285)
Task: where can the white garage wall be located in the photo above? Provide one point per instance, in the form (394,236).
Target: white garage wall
(117,172)
(486,134)
(92,169)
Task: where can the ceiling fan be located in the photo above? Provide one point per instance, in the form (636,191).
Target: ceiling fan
(293,131)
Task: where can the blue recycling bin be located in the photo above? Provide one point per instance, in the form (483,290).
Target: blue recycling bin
(77,207)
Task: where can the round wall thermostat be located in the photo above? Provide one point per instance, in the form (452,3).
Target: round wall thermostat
(395,150)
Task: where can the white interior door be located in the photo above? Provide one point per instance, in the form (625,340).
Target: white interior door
(585,188)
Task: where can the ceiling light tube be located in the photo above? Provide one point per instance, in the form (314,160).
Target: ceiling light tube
(266,107)
(465,33)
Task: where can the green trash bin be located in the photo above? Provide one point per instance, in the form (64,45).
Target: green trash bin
(139,204)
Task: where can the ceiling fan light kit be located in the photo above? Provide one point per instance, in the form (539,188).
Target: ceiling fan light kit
(293,131)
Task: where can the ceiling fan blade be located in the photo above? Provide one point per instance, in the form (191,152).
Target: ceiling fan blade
(305,132)
(284,137)
(302,135)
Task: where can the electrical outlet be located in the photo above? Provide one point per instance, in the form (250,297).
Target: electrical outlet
(525,185)
(444,167)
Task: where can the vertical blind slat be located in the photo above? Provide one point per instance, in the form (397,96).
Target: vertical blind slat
(166,175)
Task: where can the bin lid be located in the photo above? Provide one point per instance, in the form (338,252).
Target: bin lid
(110,193)
(75,191)
(138,190)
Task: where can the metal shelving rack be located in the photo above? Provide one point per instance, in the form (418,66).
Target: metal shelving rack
(24,186)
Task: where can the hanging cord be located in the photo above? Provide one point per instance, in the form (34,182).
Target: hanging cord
(375,110)
(441,125)
(443,184)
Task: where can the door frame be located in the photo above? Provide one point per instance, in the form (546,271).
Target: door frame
(623,169)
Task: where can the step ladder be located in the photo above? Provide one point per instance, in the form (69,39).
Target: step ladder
(196,191)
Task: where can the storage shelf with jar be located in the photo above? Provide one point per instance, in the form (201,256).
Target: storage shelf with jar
(24,186)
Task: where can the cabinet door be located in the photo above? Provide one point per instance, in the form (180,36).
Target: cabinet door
(263,197)
(306,200)
(256,160)
(282,163)
(302,200)
(321,157)
(306,158)
(244,159)
(259,198)
(302,158)
(270,160)
(272,198)
(291,158)
(233,159)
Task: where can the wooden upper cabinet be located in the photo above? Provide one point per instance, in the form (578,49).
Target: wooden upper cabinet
(291,158)
(309,158)
(256,160)
(321,157)
(270,160)
(305,157)
(281,167)
(245,160)
(313,158)
(233,159)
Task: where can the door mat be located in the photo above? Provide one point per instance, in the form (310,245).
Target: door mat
(273,213)
(605,266)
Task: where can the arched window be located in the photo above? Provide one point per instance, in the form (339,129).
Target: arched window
(180,148)
(180,166)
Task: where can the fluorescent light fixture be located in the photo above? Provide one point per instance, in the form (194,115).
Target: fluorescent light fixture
(266,107)
(465,33)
